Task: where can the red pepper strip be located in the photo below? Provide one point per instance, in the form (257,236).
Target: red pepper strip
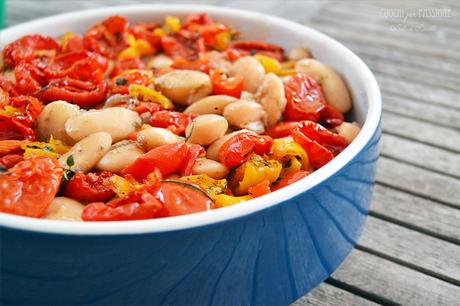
(320,144)
(260,189)
(137,205)
(304,99)
(168,158)
(248,47)
(194,151)
(176,122)
(82,93)
(29,47)
(89,187)
(235,150)
(282,129)
(289,179)
(222,84)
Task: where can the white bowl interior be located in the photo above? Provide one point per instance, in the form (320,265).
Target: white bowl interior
(362,84)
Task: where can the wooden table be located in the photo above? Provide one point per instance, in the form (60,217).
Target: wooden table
(409,252)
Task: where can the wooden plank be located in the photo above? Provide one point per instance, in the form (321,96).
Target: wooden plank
(419,251)
(423,132)
(419,181)
(416,212)
(393,282)
(428,112)
(420,154)
(328,295)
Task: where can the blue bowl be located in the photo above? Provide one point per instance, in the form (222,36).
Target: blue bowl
(269,251)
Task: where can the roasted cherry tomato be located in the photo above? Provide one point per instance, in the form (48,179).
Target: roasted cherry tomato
(320,144)
(222,84)
(29,79)
(80,65)
(29,47)
(28,188)
(19,124)
(330,117)
(145,31)
(137,205)
(241,48)
(7,86)
(176,122)
(120,83)
(194,151)
(108,37)
(124,64)
(10,160)
(89,187)
(71,42)
(194,21)
(289,179)
(176,46)
(181,198)
(168,158)
(282,129)
(201,64)
(82,93)
(235,150)
(305,100)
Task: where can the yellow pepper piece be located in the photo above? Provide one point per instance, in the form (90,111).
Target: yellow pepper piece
(159,32)
(286,72)
(53,148)
(122,186)
(223,40)
(284,150)
(147,94)
(172,24)
(288,65)
(64,39)
(270,64)
(293,165)
(137,48)
(223,200)
(213,187)
(10,111)
(255,170)
(129,52)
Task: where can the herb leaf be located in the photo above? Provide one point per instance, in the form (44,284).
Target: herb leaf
(70,161)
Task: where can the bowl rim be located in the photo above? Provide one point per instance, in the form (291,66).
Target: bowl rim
(370,127)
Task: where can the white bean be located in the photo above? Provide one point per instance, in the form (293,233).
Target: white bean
(119,122)
(51,121)
(185,86)
(246,95)
(252,72)
(245,114)
(120,155)
(297,54)
(348,130)
(210,167)
(334,88)
(271,96)
(206,129)
(64,209)
(160,61)
(218,60)
(212,152)
(87,152)
(210,105)
(153,137)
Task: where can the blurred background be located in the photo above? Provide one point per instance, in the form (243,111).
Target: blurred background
(409,253)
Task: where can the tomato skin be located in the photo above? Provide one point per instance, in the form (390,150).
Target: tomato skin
(320,144)
(289,179)
(305,100)
(176,46)
(194,151)
(108,38)
(137,205)
(167,158)
(235,150)
(225,85)
(26,48)
(120,84)
(28,188)
(89,187)
(10,160)
(29,79)
(330,117)
(20,126)
(81,93)
(282,129)
(124,64)
(176,122)
(80,65)
(7,86)
(178,199)
(201,64)
(145,31)
(193,21)
(242,48)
